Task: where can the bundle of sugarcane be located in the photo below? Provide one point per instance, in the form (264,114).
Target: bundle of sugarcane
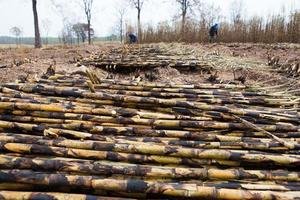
(144,57)
(76,137)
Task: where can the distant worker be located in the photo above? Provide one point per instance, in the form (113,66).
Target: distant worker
(213,32)
(132,38)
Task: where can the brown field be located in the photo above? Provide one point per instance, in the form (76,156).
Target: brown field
(243,60)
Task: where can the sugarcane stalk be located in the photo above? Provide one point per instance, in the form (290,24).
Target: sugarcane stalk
(271,186)
(159,123)
(158,153)
(17,195)
(203,163)
(99,118)
(39,129)
(140,186)
(141,88)
(167,85)
(44,188)
(132,99)
(92,80)
(44,100)
(30,119)
(107,168)
(109,155)
(149,135)
(276,112)
(289,145)
(221,99)
(91,86)
(54,108)
(209,115)
(208,98)
(28,139)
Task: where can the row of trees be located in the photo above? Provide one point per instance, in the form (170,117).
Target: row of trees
(196,17)
(79,29)
(83,30)
(190,25)
(76,33)
(256,29)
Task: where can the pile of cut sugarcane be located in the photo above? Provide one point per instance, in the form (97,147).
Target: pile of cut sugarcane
(136,57)
(290,67)
(75,137)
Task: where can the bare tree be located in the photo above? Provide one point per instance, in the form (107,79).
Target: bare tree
(121,14)
(237,9)
(62,8)
(88,5)
(67,34)
(37,43)
(46,23)
(185,6)
(16,31)
(138,4)
(207,14)
(80,30)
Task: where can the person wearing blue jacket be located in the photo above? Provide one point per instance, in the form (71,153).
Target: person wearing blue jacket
(213,32)
(132,38)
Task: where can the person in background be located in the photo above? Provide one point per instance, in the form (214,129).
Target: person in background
(132,38)
(213,32)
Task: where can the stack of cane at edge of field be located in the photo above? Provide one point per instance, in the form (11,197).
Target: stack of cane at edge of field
(75,137)
(145,57)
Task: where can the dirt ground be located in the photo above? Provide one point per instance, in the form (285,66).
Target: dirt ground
(230,61)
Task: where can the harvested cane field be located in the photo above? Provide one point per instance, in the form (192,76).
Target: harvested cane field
(158,121)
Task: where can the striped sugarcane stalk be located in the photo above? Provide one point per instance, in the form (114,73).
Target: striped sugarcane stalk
(140,186)
(133,99)
(107,168)
(108,102)
(109,155)
(154,153)
(17,195)
(158,123)
(262,146)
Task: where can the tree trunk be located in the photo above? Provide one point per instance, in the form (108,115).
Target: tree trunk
(89,31)
(37,43)
(184,10)
(139,26)
(121,29)
(183,26)
(121,35)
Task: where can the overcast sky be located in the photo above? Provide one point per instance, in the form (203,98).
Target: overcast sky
(19,13)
